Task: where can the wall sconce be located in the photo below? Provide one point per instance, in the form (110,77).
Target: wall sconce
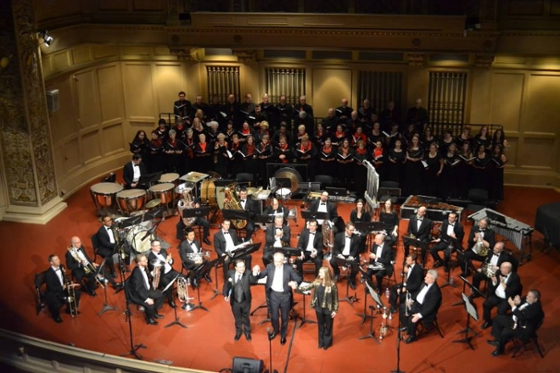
(47,39)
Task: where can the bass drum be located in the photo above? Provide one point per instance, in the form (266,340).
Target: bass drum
(135,236)
(212,195)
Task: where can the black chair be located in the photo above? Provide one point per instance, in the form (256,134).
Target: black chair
(39,282)
(393,277)
(429,324)
(245,178)
(478,200)
(95,245)
(518,343)
(325,180)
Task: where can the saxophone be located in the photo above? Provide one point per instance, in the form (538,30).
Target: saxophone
(186,202)
(232,203)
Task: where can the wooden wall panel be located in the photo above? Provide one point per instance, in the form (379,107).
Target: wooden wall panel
(110,93)
(479,104)
(506,99)
(87,98)
(330,86)
(112,4)
(113,139)
(169,81)
(148,5)
(63,122)
(542,106)
(91,146)
(55,9)
(138,92)
(538,153)
(513,150)
(69,157)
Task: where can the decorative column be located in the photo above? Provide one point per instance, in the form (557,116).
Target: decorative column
(27,156)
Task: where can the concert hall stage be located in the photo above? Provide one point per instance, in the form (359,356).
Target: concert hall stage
(208,342)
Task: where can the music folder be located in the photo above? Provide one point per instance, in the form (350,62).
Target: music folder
(308,215)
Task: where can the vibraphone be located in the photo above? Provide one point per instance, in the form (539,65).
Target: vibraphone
(520,234)
(436,211)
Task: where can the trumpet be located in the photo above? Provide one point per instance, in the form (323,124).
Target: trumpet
(70,293)
(408,303)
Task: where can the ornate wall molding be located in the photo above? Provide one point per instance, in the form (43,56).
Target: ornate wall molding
(483,60)
(416,59)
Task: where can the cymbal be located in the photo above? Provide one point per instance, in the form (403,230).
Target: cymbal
(153,203)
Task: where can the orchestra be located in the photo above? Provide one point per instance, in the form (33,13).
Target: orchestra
(203,142)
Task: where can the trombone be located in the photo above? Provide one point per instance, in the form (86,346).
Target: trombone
(70,293)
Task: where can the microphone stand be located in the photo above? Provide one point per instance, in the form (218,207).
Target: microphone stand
(106,306)
(176,321)
(128,318)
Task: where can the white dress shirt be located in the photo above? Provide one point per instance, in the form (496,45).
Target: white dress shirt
(229,241)
(378,252)
(136,169)
(167,266)
(422,294)
(310,246)
(110,233)
(450,229)
(500,291)
(346,250)
(278,280)
(58,272)
(322,208)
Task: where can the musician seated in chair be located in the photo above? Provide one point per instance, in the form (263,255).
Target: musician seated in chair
(133,171)
(191,253)
(276,208)
(481,239)
(140,290)
(198,221)
(380,256)
(423,305)
(323,205)
(225,243)
(412,280)
(526,316)
(160,265)
(83,268)
(505,284)
(450,229)
(346,246)
(419,228)
(276,237)
(311,245)
(107,243)
(491,264)
(57,294)
(252,207)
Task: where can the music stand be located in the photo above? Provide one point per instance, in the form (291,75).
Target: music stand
(200,212)
(364,315)
(176,320)
(409,241)
(199,273)
(265,219)
(379,302)
(453,244)
(304,293)
(347,263)
(134,220)
(106,306)
(471,312)
(465,281)
(217,262)
(308,215)
(336,191)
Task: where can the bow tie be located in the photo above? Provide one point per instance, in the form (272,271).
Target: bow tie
(135,165)
(451,225)
(57,270)
(323,203)
(242,201)
(226,232)
(349,237)
(420,219)
(313,233)
(481,230)
(496,254)
(190,243)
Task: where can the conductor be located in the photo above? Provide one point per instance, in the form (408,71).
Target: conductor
(237,291)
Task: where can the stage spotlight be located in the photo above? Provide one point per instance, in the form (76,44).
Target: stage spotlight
(47,39)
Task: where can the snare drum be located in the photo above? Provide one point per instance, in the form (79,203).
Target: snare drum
(169,178)
(284,193)
(163,191)
(103,195)
(134,238)
(131,200)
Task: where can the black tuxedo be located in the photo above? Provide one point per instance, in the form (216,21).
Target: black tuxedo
(165,278)
(253,208)
(128,174)
(469,254)
(331,209)
(385,259)
(239,293)
(220,248)
(55,294)
(270,240)
(422,234)
(478,277)
(281,210)
(302,244)
(443,245)
(184,249)
(137,292)
(338,248)
(106,248)
(78,270)
(280,301)
(413,283)
(428,309)
(528,319)
(513,288)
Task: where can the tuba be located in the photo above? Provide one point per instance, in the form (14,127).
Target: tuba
(186,202)
(232,203)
